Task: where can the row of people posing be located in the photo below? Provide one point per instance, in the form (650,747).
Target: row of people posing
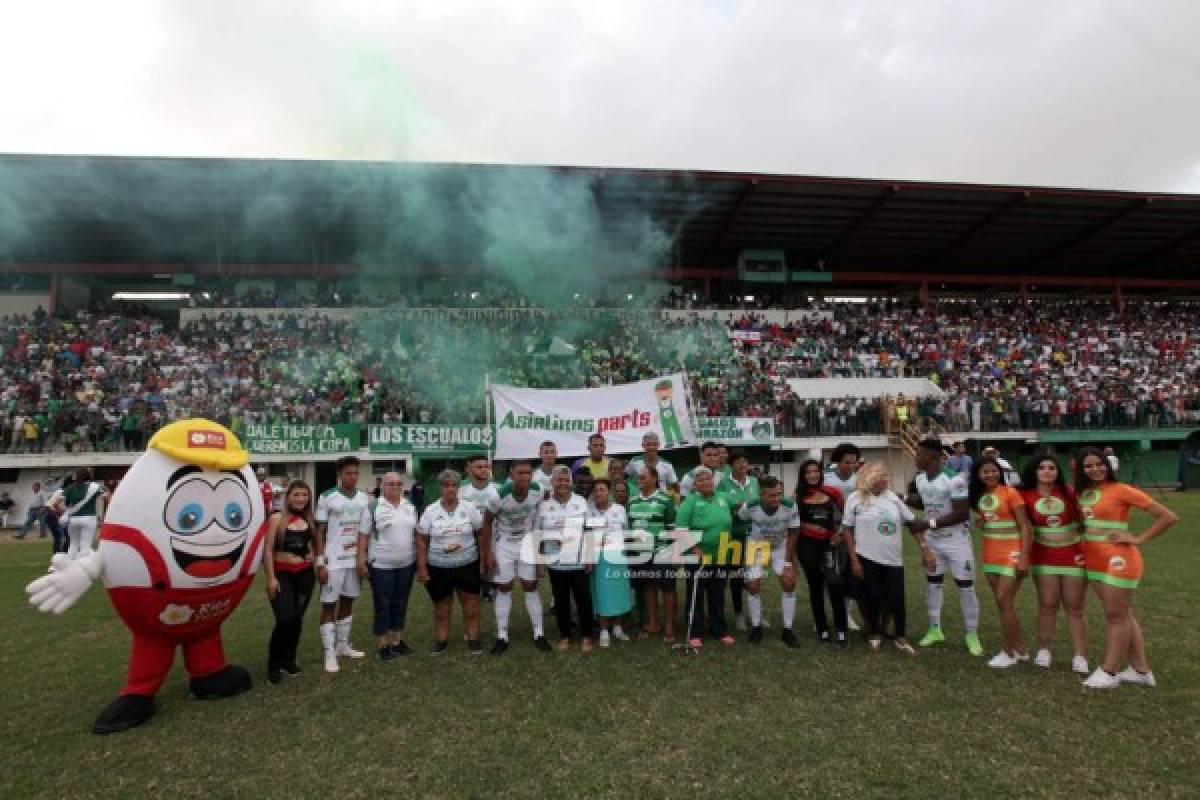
(1067,537)
(474,534)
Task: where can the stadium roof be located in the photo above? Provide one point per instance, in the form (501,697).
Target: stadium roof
(62,210)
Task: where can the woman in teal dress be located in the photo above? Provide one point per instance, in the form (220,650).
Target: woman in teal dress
(611,595)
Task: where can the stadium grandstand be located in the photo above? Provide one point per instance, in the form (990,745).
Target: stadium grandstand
(306,303)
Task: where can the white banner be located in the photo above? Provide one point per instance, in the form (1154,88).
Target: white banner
(623,414)
(737,430)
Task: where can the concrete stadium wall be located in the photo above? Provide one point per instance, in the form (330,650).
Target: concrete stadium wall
(12,303)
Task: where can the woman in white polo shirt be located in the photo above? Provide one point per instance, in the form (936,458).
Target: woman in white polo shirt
(388,551)
(448,561)
(871,523)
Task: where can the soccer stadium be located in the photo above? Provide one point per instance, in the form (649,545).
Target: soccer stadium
(323,310)
(560,399)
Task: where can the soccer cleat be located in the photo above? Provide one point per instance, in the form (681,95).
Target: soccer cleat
(1079,664)
(740,622)
(904,647)
(541,644)
(1022,656)
(932,636)
(401,648)
(587,645)
(475,647)
(789,638)
(292,668)
(605,639)
(385,654)
(695,641)
(345,650)
(823,637)
(439,648)
(274,675)
(1101,680)
(331,664)
(756,634)
(727,639)
(1043,658)
(1003,660)
(974,646)
(619,634)
(499,648)
(1131,675)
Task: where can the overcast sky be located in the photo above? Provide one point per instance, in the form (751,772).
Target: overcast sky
(1098,93)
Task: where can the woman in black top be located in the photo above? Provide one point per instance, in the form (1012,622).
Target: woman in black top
(288,560)
(819,507)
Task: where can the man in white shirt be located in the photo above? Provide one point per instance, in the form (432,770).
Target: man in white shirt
(547,458)
(509,516)
(947,532)
(343,514)
(650,458)
(388,553)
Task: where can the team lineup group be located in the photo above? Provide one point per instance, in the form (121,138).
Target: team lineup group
(613,535)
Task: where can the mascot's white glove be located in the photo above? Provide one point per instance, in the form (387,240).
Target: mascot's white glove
(66,583)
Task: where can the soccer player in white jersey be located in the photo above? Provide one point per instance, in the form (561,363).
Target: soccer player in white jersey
(650,458)
(948,535)
(843,476)
(474,490)
(343,513)
(479,482)
(774,528)
(510,512)
(710,456)
(547,458)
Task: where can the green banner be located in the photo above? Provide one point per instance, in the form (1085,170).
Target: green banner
(301,439)
(736,430)
(430,439)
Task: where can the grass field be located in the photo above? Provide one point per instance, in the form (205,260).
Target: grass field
(633,721)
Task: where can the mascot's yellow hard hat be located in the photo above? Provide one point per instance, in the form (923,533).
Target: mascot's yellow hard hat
(201,442)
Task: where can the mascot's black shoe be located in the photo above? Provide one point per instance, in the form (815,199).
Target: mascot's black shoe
(127,711)
(224,683)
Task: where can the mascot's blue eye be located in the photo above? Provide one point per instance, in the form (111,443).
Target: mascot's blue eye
(235,517)
(190,517)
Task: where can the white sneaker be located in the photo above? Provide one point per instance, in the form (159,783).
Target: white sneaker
(1079,664)
(1101,680)
(1043,659)
(740,622)
(1003,660)
(331,664)
(619,634)
(1131,675)
(604,639)
(346,650)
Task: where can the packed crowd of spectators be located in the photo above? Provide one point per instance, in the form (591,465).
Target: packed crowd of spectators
(105,379)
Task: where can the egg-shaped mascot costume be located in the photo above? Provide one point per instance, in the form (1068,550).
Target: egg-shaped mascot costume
(181,539)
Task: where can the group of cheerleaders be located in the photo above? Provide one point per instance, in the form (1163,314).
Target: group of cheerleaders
(1068,537)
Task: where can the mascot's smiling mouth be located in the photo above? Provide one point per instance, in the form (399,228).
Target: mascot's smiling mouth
(206,560)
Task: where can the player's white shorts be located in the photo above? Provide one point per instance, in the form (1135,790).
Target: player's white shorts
(953,553)
(509,564)
(343,582)
(757,558)
(81,532)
